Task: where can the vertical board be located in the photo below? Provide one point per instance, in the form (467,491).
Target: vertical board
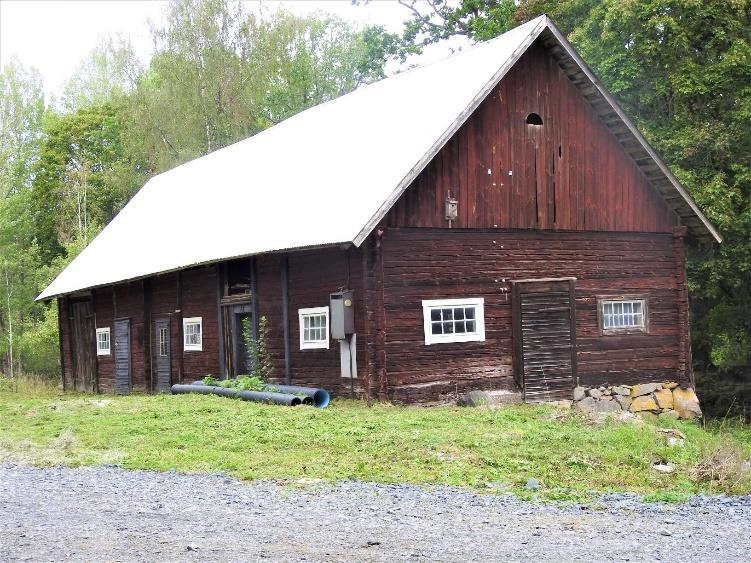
(162,351)
(83,357)
(546,342)
(122,356)
(570,173)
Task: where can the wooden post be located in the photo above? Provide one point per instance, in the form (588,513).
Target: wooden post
(148,367)
(179,311)
(285,317)
(253,308)
(380,319)
(684,322)
(95,345)
(220,321)
(253,298)
(60,314)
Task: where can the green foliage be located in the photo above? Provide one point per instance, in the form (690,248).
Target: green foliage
(242,382)
(571,456)
(38,344)
(210,380)
(257,348)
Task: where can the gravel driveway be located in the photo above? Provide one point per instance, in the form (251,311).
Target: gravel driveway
(95,514)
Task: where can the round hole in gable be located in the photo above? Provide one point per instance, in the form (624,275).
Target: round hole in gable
(533,119)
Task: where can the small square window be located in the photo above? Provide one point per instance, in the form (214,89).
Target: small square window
(454,320)
(163,342)
(314,328)
(193,334)
(618,316)
(103,341)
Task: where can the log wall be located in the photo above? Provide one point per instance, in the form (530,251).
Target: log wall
(439,263)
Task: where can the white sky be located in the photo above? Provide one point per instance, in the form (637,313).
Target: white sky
(54,36)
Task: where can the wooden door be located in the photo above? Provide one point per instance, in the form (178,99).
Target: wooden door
(122,356)
(237,356)
(163,354)
(544,338)
(83,346)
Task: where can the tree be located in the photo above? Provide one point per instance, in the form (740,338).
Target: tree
(110,71)
(21,111)
(83,177)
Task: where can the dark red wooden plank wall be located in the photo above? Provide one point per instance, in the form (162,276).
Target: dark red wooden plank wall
(568,174)
(439,263)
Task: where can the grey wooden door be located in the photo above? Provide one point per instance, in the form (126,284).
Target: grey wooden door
(122,356)
(162,347)
(545,338)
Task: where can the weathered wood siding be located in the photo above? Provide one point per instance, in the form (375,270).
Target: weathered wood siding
(199,294)
(569,174)
(313,275)
(440,263)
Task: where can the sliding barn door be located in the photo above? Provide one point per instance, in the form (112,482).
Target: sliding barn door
(544,338)
(83,343)
(122,356)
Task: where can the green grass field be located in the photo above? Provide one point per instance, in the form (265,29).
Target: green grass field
(569,453)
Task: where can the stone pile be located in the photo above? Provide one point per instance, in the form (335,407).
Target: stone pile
(646,399)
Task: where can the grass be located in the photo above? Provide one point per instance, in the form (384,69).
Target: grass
(573,456)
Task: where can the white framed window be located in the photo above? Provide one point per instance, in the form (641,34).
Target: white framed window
(622,315)
(454,320)
(163,342)
(193,334)
(314,327)
(103,341)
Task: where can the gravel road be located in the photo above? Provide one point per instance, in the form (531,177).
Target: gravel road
(95,514)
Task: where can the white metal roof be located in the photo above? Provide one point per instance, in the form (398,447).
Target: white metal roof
(325,176)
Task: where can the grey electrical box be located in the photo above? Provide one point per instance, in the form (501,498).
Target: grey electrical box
(342,314)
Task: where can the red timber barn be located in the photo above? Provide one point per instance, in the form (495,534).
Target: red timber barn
(494,220)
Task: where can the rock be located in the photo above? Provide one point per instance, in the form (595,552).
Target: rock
(664,398)
(607,406)
(607,392)
(587,404)
(665,468)
(624,401)
(686,403)
(621,390)
(644,389)
(532,484)
(668,415)
(579,393)
(673,442)
(670,385)
(475,399)
(595,393)
(563,404)
(644,403)
(606,398)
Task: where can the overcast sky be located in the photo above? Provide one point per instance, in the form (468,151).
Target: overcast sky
(54,36)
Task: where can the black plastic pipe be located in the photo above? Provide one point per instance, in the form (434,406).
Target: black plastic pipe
(319,396)
(315,396)
(256,396)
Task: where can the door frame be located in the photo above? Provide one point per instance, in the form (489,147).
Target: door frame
(539,285)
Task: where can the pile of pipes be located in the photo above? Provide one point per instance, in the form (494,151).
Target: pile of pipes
(289,395)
